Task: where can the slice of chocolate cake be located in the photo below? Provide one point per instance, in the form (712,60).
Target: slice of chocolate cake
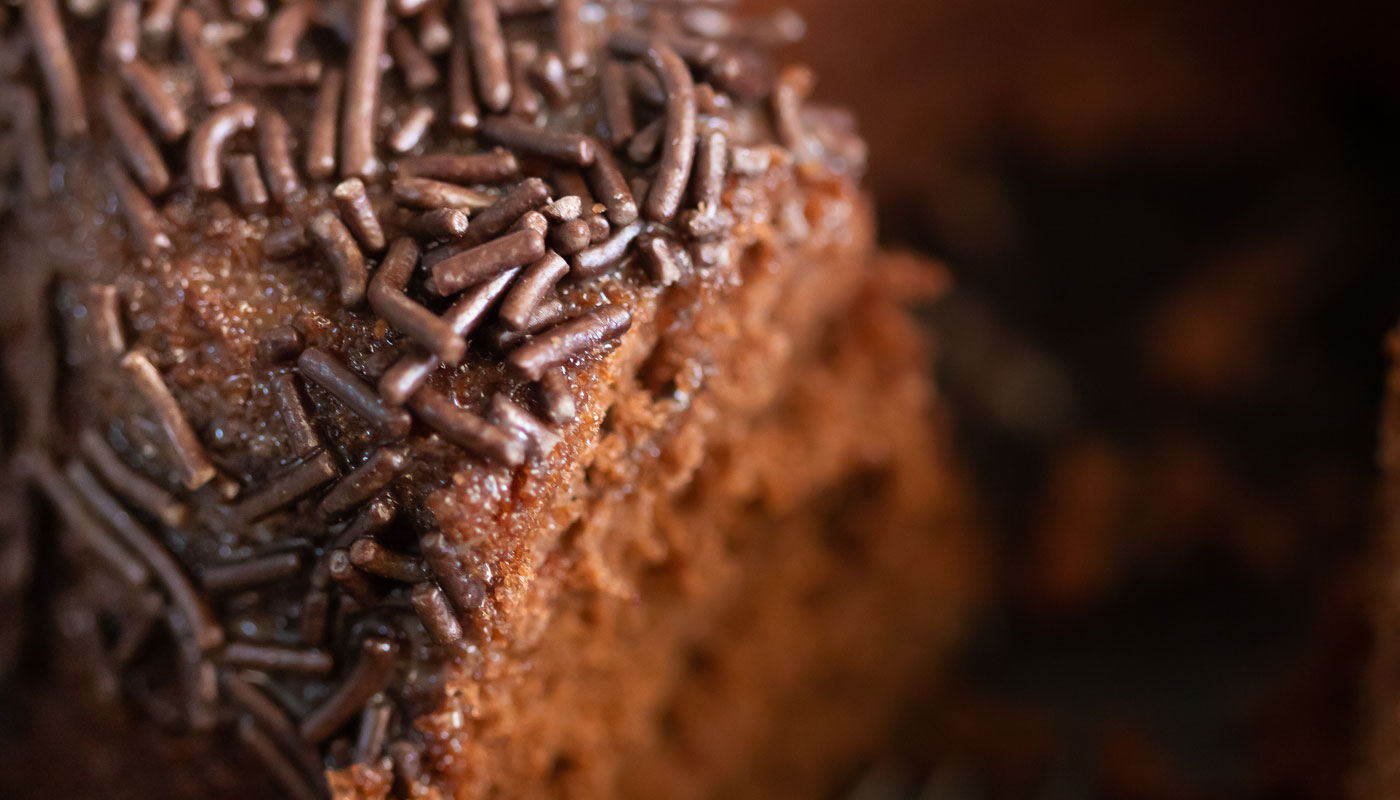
(452,399)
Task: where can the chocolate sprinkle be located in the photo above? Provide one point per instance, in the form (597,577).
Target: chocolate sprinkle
(488,51)
(104,316)
(409,373)
(56,62)
(370,556)
(642,148)
(369,676)
(528,195)
(599,258)
(214,83)
(181,442)
(418,323)
(535,282)
(160,20)
(321,137)
(561,146)
(664,259)
(29,142)
(281,344)
(548,75)
(486,261)
(320,367)
(428,193)
(351,580)
(126,482)
(285,31)
(617,103)
(539,440)
(440,223)
(288,487)
(271,717)
(277,658)
(275,150)
(493,166)
(525,102)
(418,72)
(569,33)
(247,182)
(465,592)
(557,397)
(365,481)
(463,114)
(339,247)
(465,429)
(412,127)
(710,165)
(294,74)
(89,532)
(571,237)
(678,143)
(289,406)
(156,102)
(434,34)
(362,92)
(145,222)
(569,339)
(352,201)
(123,30)
(190,604)
(207,142)
(374,729)
(436,613)
(610,187)
(242,575)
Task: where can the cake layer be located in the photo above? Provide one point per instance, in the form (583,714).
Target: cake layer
(743,623)
(347,388)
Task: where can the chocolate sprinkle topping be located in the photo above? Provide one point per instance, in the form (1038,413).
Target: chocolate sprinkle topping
(241,575)
(465,429)
(321,368)
(365,481)
(207,142)
(436,613)
(339,247)
(288,487)
(370,556)
(182,443)
(362,92)
(370,674)
(488,51)
(532,274)
(159,106)
(321,138)
(126,482)
(293,413)
(569,339)
(561,146)
(678,143)
(56,62)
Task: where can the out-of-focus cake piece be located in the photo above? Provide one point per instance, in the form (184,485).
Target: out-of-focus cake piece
(532,418)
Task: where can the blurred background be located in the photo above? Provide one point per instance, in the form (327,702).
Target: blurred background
(1172,223)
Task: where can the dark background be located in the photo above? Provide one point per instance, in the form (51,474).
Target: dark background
(1173,226)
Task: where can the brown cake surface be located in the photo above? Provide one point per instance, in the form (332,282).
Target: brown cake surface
(400,442)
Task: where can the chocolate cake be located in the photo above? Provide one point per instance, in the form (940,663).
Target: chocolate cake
(452,399)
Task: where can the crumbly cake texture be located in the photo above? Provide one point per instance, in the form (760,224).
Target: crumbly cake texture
(463,399)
